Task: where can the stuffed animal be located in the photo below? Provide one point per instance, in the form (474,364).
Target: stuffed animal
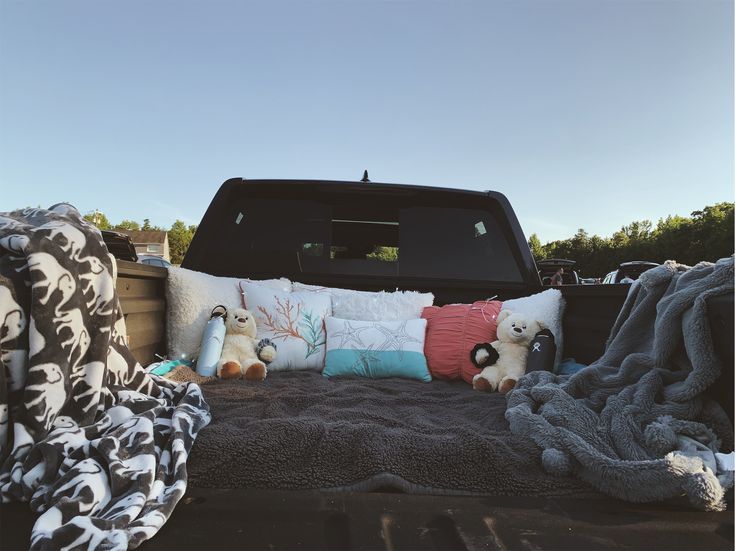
(243,355)
(503,362)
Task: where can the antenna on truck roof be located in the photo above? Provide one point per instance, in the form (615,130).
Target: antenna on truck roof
(365,178)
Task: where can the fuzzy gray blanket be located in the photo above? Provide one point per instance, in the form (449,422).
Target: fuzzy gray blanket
(623,424)
(300,430)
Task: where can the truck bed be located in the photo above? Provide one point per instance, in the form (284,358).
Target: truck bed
(307,519)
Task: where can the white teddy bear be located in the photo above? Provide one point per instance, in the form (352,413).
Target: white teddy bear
(503,362)
(242,354)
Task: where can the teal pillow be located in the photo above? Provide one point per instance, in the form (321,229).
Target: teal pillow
(376,349)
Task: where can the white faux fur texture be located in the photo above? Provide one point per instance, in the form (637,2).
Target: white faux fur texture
(190,298)
(370,306)
(546,307)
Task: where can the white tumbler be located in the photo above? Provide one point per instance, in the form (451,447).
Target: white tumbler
(212,341)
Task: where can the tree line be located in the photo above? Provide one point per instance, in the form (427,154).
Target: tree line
(706,234)
(179,234)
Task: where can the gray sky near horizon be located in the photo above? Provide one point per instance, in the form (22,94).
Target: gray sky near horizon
(585,113)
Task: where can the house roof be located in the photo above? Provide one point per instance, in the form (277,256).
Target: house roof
(139,236)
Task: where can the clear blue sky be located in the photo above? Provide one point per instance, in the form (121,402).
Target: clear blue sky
(586,113)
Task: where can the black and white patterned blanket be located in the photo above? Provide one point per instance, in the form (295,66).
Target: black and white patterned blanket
(96,445)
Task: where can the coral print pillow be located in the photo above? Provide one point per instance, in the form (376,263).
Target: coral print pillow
(294,321)
(376,349)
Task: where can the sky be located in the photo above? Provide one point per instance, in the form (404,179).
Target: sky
(585,114)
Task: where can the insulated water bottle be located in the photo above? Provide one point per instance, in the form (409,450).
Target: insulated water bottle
(542,353)
(212,342)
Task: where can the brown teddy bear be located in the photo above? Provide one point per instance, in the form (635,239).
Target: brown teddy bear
(243,355)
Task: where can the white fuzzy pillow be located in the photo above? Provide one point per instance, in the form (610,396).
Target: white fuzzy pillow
(371,306)
(546,307)
(191,296)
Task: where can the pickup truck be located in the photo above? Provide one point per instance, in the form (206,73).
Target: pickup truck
(632,269)
(371,236)
(549,266)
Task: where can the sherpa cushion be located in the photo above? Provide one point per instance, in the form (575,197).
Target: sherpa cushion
(294,321)
(190,297)
(373,306)
(376,349)
(452,332)
(546,307)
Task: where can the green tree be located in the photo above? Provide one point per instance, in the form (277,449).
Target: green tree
(537,249)
(384,254)
(179,239)
(147,226)
(130,225)
(712,229)
(98,219)
(637,231)
(706,235)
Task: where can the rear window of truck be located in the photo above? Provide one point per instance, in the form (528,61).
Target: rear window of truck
(364,235)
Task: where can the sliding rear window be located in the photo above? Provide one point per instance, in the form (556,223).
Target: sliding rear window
(374,236)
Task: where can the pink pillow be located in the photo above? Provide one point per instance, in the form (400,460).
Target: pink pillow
(452,331)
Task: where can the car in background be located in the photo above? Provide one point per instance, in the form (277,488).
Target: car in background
(120,245)
(549,266)
(152,260)
(634,269)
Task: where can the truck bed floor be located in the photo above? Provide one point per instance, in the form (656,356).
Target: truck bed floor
(257,519)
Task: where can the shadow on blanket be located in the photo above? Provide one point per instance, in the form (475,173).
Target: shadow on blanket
(300,430)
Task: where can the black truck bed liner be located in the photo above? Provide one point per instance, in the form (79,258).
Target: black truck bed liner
(280,520)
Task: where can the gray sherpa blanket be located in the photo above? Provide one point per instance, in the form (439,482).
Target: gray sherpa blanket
(625,423)
(300,430)
(96,445)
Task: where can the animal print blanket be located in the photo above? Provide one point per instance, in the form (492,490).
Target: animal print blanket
(96,445)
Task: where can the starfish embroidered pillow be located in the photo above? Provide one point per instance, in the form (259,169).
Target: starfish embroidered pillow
(376,349)
(294,321)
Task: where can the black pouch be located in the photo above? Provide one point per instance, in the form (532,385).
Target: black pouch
(542,352)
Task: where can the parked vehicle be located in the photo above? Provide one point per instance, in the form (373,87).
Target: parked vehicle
(152,260)
(462,246)
(120,245)
(632,269)
(548,267)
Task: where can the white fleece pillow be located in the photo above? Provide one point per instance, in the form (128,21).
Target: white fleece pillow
(294,322)
(546,307)
(191,296)
(371,306)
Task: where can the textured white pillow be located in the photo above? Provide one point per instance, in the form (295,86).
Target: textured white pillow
(372,306)
(294,322)
(190,298)
(546,307)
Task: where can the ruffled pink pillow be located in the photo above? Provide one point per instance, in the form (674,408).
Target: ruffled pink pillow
(452,331)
